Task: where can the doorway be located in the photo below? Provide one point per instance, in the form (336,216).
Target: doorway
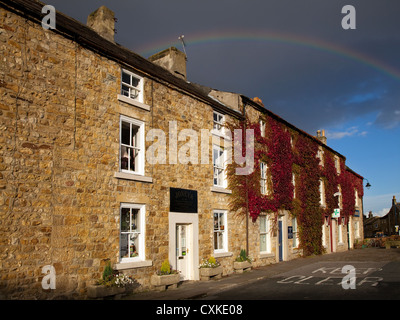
(183,250)
(332,231)
(184,244)
(283,241)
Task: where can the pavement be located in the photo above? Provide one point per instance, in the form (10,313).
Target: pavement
(192,290)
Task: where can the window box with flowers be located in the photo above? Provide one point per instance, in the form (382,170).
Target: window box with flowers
(165,278)
(111,284)
(242,262)
(210,268)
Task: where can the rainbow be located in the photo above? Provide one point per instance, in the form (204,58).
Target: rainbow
(272,37)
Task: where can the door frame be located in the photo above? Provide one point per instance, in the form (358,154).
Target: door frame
(280,240)
(283,233)
(192,220)
(333,234)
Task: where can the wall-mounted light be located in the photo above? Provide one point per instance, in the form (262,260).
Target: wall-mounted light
(368,185)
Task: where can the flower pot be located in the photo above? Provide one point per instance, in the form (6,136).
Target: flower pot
(100,291)
(240,267)
(208,273)
(163,282)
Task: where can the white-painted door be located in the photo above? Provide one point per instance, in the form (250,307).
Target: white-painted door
(183,250)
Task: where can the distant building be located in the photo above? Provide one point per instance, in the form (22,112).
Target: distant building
(383,226)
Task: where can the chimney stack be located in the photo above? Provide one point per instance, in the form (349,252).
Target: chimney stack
(103,22)
(321,136)
(394,202)
(171,59)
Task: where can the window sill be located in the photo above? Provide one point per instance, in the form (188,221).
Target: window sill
(133,265)
(132,102)
(220,190)
(222,254)
(133,177)
(266,255)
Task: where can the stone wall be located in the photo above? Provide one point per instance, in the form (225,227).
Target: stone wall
(59,153)
(59,150)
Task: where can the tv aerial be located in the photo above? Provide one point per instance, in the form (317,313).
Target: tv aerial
(183,44)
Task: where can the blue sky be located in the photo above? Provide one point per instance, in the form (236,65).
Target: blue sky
(297,58)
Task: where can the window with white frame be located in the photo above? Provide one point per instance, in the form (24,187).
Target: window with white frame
(131,145)
(294,184)
(220,231)
(263,178)
(356,203)
(219,166)
(340,198)
(132,226)
(262,128)
(337,164)
(340,233)
(324,234)
(320,156)
(265,243)
(132,86)
(218,122)
(322,193)
(295,233)
(357,229)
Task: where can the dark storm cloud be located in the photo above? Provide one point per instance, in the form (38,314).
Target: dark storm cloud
(307,86)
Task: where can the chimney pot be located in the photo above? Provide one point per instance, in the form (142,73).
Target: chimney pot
(321,136)
(103,22)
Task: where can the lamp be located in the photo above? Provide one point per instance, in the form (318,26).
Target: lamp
(368,185)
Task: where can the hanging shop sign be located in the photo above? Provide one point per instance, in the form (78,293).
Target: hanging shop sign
(336,213)
(290,232)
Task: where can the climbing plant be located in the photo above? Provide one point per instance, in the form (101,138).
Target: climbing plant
(285,152)
(309,212)
(276,154)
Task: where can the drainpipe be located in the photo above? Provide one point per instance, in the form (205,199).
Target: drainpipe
(247,192)
(330,231)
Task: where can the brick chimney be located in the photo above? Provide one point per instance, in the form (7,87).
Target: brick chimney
(171,59)
(394,202)
(103,22)
(321,136)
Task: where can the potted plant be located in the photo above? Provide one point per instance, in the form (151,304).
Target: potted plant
(242,262)
(112,283)
(165,278)
(210,268)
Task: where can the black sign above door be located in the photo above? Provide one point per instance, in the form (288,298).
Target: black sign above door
(182,200)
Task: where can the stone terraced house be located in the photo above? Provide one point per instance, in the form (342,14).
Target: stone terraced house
(108,156)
